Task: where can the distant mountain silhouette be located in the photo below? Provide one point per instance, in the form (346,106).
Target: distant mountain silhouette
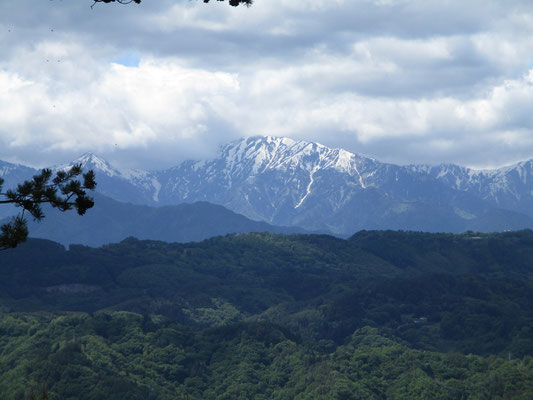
(111,221)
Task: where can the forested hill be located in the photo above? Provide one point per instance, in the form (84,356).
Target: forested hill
(261,316)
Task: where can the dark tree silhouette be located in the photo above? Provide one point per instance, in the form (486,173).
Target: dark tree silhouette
(64,192)
(233,3)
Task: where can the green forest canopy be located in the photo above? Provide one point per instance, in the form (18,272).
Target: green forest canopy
(380,315)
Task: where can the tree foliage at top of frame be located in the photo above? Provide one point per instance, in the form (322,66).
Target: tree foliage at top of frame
(233,3)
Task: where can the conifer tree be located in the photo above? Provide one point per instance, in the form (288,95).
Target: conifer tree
(65,191)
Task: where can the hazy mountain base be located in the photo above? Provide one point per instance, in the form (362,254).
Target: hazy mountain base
(110,221)
(467,293)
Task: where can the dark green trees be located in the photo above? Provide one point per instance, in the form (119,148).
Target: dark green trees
(65,191)
(43,396)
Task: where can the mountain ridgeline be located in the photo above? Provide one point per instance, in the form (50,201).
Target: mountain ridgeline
(295,183)
(111,221)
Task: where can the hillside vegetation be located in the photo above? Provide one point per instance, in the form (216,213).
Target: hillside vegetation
(261,316)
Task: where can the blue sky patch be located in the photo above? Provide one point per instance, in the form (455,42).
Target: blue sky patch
(128,59)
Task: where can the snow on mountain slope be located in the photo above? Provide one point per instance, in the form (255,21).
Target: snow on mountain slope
(509,187)
(128,185)
(283,181)
(288,182)
(267,177)
(248,158)
(91,161)
(259,154)
(15,173)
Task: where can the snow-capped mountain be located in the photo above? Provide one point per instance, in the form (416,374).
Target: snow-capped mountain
(509,187)
(297,183)
(268,178)
(289,182)
(126,185)
(13,174)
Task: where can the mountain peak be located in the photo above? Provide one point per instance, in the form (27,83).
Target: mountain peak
(260,153)
(270,140)
(91,159)
(255,143)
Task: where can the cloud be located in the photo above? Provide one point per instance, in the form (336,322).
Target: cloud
(439,128)
(406,81)
(109,107)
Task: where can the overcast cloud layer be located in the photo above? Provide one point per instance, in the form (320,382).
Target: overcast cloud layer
(149,85)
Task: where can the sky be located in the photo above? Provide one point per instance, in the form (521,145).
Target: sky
(147,86)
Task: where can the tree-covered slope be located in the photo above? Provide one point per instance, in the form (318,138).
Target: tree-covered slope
(380,315)
(124,356)
(442,292)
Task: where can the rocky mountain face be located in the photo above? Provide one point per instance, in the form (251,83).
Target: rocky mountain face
(507,188)
(287,182)
(297,183)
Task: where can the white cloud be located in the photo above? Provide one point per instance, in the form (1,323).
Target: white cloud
(406,81)
(120,106)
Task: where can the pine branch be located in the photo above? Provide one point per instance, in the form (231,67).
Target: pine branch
(65,192)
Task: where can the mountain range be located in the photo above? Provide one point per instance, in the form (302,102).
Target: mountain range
(111,221)
(285,182)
